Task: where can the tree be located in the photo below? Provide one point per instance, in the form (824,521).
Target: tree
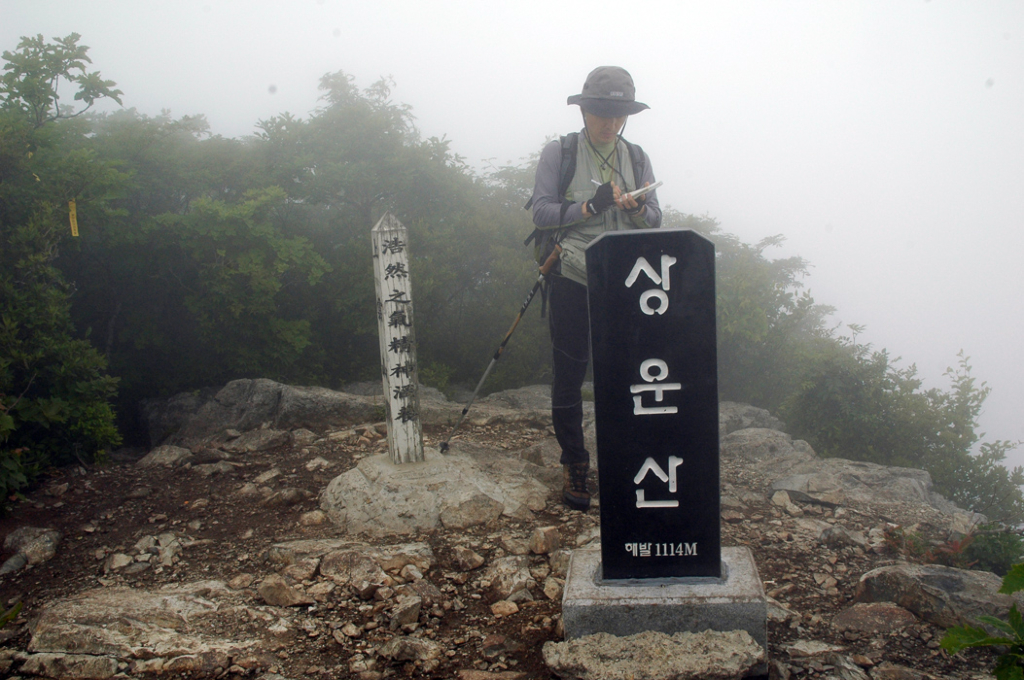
(32,79)
(54,395)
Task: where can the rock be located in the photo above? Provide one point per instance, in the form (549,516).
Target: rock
(211,469)
(655,656)
(810,648)
(380,498)
(276,592)
(406,611)
(117,561)
(508,575)
(402,648)
(835,481)
(245,405)
(258,440)
(351,567)
(126,623)
(782,499)
(304,437)
(891,671)
(167,456)
(425,590)
(266,476)
(495,645)
(321,591)
(287,496)
(477,509)
(838,536)
(467,674)
(70,666)
(302,570)
(13,564)
(465,559)
(513,545)
(553,588)
(769,448)
(943,596)
(779,612)
(844,668)
(504,608)
(874,618)
(732,516)
(545,540)
(559,563)
(313,518)
(318,463)
(733,416)
(37,544)
(165,417)
(241,581)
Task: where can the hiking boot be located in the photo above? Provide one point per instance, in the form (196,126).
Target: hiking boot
(574,486)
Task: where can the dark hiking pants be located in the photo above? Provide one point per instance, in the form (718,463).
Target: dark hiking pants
(570,339)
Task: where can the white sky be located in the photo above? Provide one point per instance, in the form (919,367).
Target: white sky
(885,140)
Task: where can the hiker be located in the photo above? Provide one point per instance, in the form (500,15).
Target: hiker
(579,193)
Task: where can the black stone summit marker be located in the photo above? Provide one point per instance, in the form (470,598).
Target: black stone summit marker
(652,326)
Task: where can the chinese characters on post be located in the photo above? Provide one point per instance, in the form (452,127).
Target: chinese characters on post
(652,316)
(397,340)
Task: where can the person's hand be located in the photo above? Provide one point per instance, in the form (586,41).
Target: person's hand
(629,204)
(603,199)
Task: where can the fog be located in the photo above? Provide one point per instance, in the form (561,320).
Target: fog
(884,140)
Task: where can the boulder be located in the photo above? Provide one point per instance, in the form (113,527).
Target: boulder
(36,544)
(873,618)
(733,416)
(167,456)
(655,656)
(258,440)
(770,449)
(276,592)
(126,624)
(245,405)
(379,498)
(940,595)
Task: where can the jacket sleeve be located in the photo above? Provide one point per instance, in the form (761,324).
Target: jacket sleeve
(547,204)
(652,216)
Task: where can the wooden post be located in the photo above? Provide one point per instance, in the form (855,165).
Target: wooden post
(397,339)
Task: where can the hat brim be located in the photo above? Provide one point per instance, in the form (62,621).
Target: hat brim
(607,108)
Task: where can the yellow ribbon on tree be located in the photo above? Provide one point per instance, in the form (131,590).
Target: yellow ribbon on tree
(73,214)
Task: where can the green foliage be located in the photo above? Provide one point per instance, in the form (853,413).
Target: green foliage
(858,404)
(10,614)
(995,549)
(54,397)
(32,77)
(1008,635)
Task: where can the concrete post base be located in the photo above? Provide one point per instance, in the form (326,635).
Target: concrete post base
(734,602)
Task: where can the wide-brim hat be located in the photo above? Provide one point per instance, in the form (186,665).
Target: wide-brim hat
(608,93)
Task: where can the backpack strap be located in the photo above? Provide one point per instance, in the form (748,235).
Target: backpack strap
(566,171)
(639,160)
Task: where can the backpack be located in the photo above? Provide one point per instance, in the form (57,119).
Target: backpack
(567,170)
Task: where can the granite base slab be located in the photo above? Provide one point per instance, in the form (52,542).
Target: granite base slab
(734,602)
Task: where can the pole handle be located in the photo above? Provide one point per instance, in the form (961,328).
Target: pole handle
(545,268)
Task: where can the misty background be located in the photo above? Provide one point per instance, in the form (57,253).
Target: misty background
(883,140)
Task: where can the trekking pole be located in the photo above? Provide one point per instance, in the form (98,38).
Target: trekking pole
(545,269)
